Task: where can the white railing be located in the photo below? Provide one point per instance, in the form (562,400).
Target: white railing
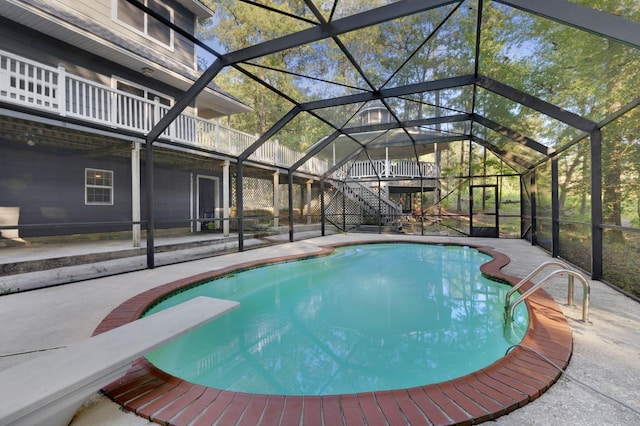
(26,82)
(35,85)
(361,169)
(387,169)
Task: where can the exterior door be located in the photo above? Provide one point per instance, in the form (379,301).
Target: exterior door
(484,211)
(207,190)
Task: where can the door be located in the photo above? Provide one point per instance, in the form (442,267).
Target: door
(484,211)
(207,190)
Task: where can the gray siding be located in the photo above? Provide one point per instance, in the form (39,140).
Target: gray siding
(97,17)
(31,44)
(172,197)
(49,188)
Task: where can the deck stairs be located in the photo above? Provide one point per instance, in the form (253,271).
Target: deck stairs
(353,204)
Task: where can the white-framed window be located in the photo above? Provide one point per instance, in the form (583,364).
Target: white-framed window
(133,18)
(134,113)
(141,91)
(98,187)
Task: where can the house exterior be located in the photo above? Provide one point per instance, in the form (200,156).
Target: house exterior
(81,82)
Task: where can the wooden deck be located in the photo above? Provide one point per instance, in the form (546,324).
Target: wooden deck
(511,382)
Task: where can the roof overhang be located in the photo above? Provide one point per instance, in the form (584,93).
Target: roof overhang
(213,102)
(198,9)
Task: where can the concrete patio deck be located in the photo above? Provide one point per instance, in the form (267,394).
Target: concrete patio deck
(601,385)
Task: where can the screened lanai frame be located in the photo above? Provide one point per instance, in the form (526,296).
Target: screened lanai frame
(533,150)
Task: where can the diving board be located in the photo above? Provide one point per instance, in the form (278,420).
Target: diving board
(49,389)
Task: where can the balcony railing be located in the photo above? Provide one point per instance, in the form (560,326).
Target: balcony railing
(34,85)
(388,169)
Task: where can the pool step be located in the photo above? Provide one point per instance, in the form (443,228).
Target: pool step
(52,268)
(55,258)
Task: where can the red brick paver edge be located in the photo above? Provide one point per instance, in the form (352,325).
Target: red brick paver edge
(509,383)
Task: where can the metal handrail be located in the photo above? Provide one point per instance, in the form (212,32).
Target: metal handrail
(510,306)
(531,275)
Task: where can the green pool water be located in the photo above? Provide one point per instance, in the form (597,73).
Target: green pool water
(368,317)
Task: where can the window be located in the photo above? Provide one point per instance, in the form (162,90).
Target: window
(141,91)
(132,112)
(132,17)
(98,187)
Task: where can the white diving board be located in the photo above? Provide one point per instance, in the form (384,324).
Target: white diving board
(49,389)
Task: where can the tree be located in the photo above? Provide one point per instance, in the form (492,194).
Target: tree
(580,72)
(239,25)
(573,69)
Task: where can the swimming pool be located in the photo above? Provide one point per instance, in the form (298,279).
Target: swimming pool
(507,384)
(365,318)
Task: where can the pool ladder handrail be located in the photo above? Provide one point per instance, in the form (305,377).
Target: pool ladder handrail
(510,306)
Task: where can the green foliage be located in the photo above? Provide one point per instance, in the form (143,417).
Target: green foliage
(408,50)
(240,25)
(578,71)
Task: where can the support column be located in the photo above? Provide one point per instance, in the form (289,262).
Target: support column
(379,206)
(276,199)
(534,212)
(322,228)
(387,165)
(421,206)
(596,204)
(194,224)
(344,209)
(62,90)
(240,207)
(437,194)
(226,189)
(150,205)
(555,209)
(151,214)
(309,218)
(135,194)
(290,206)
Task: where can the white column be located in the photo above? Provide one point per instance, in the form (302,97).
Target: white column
(386,162)
(309,202)
(62,90)
(217,134)
(135,193)
(226,187)
(333,147)
(276,200)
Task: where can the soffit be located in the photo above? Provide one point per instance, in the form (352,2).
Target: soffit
(88,35)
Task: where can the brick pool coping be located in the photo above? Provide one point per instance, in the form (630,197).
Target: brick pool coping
(507,384)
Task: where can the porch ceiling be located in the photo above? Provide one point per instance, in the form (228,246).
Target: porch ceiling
(24,134)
